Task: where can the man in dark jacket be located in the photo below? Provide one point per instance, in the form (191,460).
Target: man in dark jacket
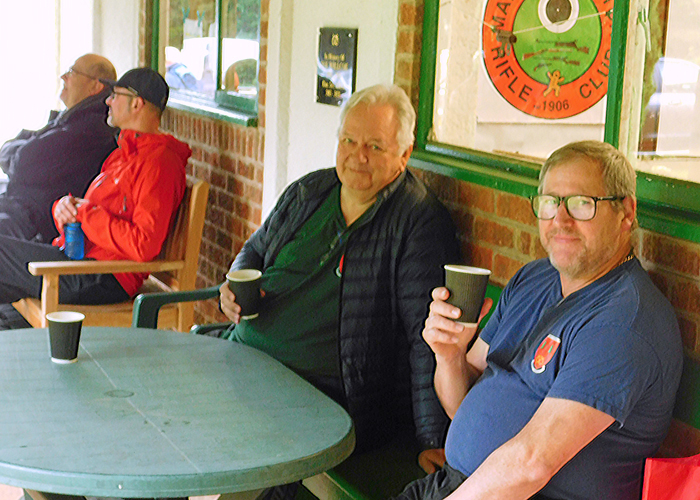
(63,157)
(348,258)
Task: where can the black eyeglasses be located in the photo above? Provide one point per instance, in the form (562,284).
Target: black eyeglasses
(115,93)
(72,71)
(578,206)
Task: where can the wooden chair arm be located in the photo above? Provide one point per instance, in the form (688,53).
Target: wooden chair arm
(101,267)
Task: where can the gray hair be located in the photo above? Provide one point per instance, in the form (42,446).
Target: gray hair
(394,96)
(619,178)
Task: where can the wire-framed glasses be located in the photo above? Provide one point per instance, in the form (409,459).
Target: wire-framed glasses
(73,71)
(578,206)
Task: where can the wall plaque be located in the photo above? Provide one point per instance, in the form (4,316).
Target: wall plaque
(337,48)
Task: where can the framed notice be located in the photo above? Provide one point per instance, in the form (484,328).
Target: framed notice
(337,49)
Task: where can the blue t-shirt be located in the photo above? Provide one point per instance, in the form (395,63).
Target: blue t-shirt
(613,345)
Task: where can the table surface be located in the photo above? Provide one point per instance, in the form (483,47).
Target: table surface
(149,413)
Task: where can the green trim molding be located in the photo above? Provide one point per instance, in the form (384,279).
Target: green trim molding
(225,106)
(616,73)
(667,206)
(211,110)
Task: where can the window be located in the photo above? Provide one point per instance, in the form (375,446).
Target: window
(489,112)
(670,120)
(210,50)
(521,78)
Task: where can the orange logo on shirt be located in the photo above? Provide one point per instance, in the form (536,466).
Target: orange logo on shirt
(545,353)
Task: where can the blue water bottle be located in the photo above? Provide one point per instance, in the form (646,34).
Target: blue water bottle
(75,241)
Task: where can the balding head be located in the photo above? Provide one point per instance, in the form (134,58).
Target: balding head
(82,79)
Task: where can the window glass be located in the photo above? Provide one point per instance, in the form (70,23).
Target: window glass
(521,78)
(669,143)
(196,31)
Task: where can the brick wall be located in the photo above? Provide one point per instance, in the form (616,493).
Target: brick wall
(498,231)
(230,158)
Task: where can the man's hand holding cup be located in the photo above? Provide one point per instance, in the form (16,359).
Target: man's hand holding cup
(456,311)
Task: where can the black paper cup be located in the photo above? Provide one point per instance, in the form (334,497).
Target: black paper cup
(64,335)
(467,286)
(245,285)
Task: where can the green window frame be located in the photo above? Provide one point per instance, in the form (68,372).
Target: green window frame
(665,205)
(226,106)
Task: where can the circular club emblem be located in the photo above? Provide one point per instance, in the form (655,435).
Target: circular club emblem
(548,58)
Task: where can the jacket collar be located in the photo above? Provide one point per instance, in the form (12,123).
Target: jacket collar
(85,104)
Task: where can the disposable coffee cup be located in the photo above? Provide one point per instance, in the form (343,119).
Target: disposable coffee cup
(64,335)
(245,285)
(467,286)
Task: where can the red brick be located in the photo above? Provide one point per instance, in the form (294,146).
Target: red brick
(504,268)
(410,15)
(464,222)
(478,256)
(672,254)
(539,252)
(227,163)
(515,208)
(219,179)
(223,239)
(661,282)
(475,196)
(254,193)
(262,96)
(409,42)
(225,201)
(524,242)
(685,296)
(404,69)
(493,233)
(256,216)
(243,210)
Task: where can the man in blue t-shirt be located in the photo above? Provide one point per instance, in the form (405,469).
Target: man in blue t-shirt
(571,384)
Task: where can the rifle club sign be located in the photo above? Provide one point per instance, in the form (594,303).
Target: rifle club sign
(548,58)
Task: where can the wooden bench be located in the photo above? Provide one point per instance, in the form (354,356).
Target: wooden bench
(174,269)
(383,473)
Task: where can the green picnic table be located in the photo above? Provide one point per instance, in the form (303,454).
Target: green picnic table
(149,413)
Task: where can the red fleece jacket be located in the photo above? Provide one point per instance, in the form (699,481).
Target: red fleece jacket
(130,205)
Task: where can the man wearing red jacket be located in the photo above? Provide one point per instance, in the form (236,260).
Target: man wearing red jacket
(127,210)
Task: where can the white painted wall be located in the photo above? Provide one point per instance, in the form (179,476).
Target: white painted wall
(116,32)
(301,134)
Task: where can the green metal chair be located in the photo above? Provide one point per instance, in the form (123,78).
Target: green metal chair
(147,306)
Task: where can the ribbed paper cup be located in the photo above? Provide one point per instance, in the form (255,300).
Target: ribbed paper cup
(467,286)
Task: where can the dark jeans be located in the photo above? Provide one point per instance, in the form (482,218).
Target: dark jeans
(16,282)
(435,486)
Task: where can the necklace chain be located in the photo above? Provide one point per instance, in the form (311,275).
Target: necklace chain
(629,257)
